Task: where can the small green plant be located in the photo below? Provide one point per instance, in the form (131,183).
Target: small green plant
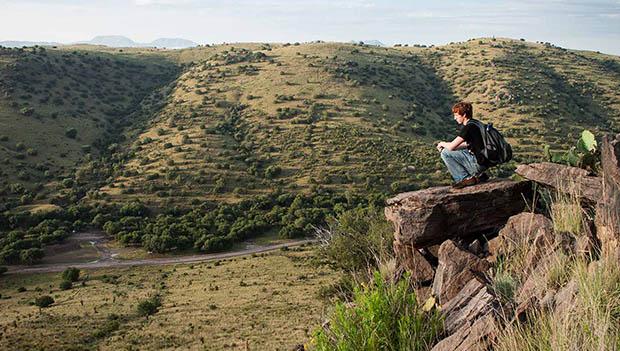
(71,274)
(585,155)
(504,283)
(65,285)
(43,301)
(149,306)
(71,133)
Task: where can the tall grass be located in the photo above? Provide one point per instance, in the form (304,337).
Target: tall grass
(590,322)
(382,316)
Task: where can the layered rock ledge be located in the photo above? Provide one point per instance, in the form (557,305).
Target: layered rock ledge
(431,216)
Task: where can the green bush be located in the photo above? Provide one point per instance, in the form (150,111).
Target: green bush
(383,316)
(71,133)
(356,239)
(65,285)
(71,274)
(149,306)
(43,301)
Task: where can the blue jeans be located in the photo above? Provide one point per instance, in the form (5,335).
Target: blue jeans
(461,164)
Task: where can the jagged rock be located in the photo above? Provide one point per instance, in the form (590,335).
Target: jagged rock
(412,260)
(480,336)
(422,294)
(473,301)
(430,216)
(470,319)
(564,178)
(564,300)
(475,247)
(456,268)
(535,285)
(530,231)
(608,208)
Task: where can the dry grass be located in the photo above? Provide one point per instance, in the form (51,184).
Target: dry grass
(590,322)
(268,302)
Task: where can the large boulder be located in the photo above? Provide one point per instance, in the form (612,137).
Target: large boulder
(456,268)
(430,216)
(470,319)
(564,178)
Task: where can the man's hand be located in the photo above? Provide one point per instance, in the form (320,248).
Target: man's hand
(440,146)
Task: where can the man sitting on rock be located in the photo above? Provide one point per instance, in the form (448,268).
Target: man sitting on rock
(463,155)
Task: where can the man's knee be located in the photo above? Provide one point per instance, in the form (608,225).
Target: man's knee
(445,153)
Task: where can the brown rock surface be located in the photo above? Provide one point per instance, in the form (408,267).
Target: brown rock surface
(608,209)
(413,261)
(561,177)
(470,319)
(524,231)
(479,336)
(430,216)
(456,268)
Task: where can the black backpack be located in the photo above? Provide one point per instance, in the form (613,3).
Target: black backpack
(496,149)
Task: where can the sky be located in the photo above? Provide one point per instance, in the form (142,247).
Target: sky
(574,24)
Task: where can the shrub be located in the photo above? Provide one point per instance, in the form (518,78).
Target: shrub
(31,255)
(149,306)
(356,239)
(65,285)
(3,270)
(71,274)
(43,301)
(71,133)
(27,111)
(383,316)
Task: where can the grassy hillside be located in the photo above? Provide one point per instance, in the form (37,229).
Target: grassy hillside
(239,120)
(59,109)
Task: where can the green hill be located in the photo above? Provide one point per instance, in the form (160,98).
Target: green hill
(61,108)
(229,122)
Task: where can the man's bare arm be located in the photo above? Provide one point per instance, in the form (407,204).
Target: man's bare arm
(456,144)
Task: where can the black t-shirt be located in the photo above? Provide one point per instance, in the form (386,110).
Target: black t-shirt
(471,133)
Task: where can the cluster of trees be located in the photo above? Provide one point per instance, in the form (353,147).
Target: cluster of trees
(23,235)
(215,227)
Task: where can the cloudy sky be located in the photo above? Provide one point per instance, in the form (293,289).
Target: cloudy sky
(577,24)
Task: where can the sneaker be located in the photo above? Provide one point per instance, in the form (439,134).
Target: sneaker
(466,182)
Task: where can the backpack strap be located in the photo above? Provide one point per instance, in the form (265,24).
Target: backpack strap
(483,132)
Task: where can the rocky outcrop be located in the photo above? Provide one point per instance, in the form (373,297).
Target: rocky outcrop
(470,319)
(456,268)
(441,227)
(431,216)
(564,178)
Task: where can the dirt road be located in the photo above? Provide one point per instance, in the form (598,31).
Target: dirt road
(107,260)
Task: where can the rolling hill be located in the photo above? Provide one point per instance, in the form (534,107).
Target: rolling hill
(232,121)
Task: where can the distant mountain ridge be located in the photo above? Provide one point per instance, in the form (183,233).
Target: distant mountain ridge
(18,43)
(115,41)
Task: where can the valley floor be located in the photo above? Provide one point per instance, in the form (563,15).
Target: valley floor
(265,301)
